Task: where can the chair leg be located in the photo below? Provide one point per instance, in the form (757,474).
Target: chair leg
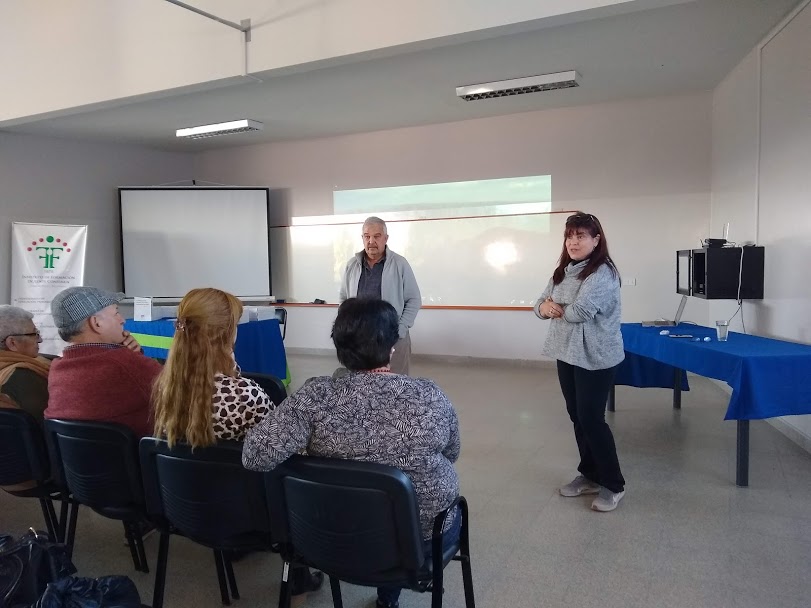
(464,557)
(139,539)
(54,519)
(135,540)
(160,571)
(335,586)
(229,572)
(70,536)
(218,562)
(467,581)
(436,591)
(51,523)
(285,589)
(130,534)
(63,517)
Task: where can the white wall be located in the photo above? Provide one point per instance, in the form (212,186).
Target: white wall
(69,182)
(735,168)
(62,55)
(761,153)
(642,166)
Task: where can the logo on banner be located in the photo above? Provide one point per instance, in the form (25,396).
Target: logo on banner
(49,249)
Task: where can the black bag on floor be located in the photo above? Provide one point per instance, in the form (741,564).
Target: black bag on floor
(28,564)
(104,592)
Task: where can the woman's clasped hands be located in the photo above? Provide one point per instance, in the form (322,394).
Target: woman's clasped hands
(551,309)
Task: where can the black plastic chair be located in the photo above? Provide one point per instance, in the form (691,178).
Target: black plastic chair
(208,497)
(98,463)
(274,387)
(281,315)
(23,458)
(358,522)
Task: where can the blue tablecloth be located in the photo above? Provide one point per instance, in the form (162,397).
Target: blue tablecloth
(768,377)
(645,372)
(259,347)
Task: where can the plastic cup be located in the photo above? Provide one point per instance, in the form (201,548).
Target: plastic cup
(722,330)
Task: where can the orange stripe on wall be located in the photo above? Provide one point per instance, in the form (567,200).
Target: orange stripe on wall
(309,305)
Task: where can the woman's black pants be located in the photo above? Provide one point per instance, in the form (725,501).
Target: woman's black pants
(586,392)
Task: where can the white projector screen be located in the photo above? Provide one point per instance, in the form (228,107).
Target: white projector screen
(176,239)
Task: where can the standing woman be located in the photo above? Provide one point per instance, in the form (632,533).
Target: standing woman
(583,301)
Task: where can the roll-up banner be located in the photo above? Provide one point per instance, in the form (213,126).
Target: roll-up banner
(45,259)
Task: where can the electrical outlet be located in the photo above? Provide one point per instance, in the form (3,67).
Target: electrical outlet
(629,282)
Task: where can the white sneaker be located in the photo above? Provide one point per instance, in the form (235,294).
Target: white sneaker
(607,500)
(579,486)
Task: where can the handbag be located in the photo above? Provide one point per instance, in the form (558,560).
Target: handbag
(28,564)
(106,592)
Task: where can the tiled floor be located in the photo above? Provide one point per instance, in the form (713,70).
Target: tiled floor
(684,536)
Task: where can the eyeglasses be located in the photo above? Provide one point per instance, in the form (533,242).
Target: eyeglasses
(28,335)
(580,218)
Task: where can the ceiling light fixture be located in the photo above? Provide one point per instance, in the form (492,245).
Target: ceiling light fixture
(519,86)
(221,128)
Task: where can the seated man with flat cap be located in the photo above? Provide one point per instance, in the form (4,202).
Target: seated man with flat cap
(102,374)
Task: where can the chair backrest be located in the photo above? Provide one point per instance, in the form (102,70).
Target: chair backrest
(357,521)
(205,494)
(98,463)
(23,456)
(281,316)
(270,384)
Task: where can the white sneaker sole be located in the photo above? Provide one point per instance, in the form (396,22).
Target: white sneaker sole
(607,508)
(583,492)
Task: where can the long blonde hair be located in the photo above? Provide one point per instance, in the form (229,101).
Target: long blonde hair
(203,347)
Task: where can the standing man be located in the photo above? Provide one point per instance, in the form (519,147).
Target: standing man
(377,272)
(102,374)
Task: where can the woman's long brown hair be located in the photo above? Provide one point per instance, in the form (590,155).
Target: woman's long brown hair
(589,223)
(202,347)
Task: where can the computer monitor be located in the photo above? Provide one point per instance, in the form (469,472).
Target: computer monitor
(680,310)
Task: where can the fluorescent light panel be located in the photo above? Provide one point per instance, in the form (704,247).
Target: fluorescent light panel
(519,86)
(222,128)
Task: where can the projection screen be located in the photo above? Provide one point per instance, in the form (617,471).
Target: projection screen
(176,239)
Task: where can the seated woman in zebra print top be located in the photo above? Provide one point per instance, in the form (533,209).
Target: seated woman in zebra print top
(369,414)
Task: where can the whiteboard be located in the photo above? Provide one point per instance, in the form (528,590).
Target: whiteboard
(177,239)
(480,261)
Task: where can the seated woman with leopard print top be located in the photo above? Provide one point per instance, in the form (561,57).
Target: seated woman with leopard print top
(200,396)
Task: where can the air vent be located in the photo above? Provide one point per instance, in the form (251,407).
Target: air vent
(519,86)
(222,128)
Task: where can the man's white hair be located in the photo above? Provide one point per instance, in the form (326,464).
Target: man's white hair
(374,220)
(13,320)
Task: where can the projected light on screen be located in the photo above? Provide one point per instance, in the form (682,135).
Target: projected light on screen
(501,255)
(492,241)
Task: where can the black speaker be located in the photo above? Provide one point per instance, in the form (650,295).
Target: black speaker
(721,273)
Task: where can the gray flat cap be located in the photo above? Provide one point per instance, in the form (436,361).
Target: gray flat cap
(78,303)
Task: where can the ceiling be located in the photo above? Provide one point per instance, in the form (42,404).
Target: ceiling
(656,52)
